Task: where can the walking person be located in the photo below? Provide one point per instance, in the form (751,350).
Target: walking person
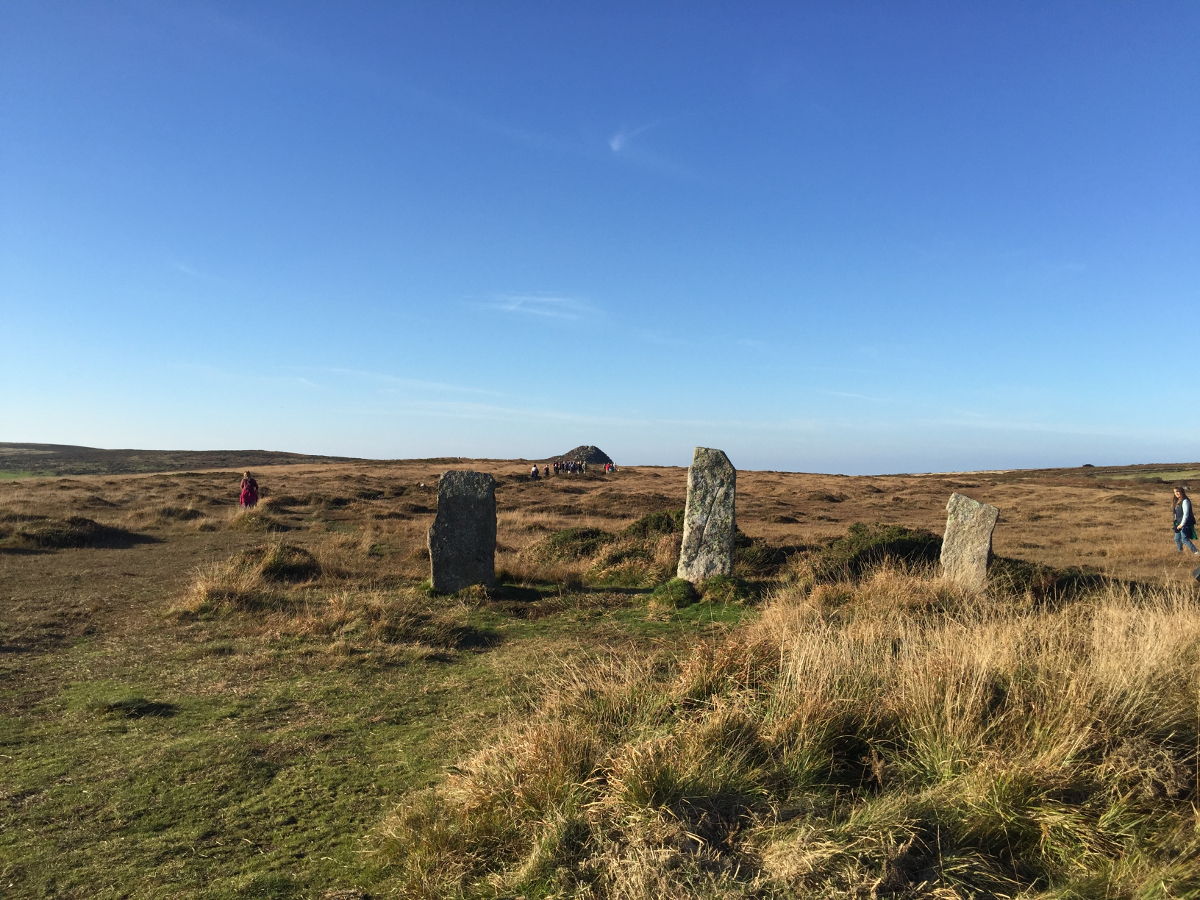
(1185,522)
(248,495)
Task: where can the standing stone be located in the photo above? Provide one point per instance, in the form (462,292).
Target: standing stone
(967,544)
(708,523)
(462,539)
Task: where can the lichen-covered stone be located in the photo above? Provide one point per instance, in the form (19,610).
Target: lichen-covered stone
(462,539)
(708,520)
(967,544)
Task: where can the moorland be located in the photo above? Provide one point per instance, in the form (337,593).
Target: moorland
(200,701)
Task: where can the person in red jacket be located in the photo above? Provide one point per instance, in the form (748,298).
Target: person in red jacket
(248,498)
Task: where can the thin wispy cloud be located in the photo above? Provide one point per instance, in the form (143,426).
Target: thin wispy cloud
(850,395)
(620,140)
(469,410)
(398,383)
(545,306)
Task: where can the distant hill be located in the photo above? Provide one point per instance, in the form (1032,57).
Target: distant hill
(63,459)
(589,454)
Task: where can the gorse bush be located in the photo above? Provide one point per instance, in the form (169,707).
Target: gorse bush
(668,521)
(865,547)
(973,751)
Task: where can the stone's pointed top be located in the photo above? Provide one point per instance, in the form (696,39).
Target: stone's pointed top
(587,453)
(461,482)
(706,456)
(962,504)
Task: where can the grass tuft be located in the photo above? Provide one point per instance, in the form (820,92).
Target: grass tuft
(71,532)
(674,594)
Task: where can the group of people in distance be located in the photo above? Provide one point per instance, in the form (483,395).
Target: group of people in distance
(566,467)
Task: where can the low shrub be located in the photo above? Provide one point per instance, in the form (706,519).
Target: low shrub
(572,544)
(641,555)
(668,521)
(865,547)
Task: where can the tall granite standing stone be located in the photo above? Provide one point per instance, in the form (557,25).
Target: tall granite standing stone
(708,523)
(462,539)
(967,544)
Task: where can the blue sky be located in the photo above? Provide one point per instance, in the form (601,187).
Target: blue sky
(841,237)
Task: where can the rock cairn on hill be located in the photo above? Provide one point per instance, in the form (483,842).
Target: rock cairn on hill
(593,456)
(708,519)
(967,544)
(462,539)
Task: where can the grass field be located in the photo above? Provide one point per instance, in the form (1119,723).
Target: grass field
(197,702)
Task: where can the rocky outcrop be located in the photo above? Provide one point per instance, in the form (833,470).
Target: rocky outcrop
(593,456)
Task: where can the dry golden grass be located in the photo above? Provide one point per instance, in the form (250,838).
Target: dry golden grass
(1115,525)
(874,734)
(979,750)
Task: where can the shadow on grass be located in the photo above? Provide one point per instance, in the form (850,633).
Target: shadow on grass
(140,708)
(1050,586)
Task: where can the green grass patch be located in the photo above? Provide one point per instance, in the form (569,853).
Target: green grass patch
(1168,475)
(224,756)
(675,594)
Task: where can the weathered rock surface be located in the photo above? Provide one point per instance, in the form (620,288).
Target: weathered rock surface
(967,544)
(462,539)
(708,520)
(593,456)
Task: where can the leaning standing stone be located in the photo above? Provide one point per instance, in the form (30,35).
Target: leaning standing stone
(462,539)
(708,523)
(967,545)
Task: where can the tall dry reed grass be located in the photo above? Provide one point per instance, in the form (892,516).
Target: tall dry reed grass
(908,740)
